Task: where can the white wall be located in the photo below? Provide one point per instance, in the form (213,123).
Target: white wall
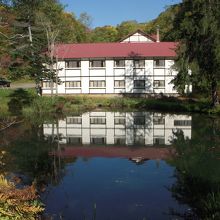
(137,37)
(109,74)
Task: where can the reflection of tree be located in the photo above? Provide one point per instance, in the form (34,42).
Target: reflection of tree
(30,156)
(7,122)
(198,172)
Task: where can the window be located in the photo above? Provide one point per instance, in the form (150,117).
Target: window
(139,141)
(95,84)
(120,141)
(159,83)
(73,64)
(119,63)
(74,120)
(182,122)
(119,83)
(74,140)
(119,121)
(98,120)
(73,84)
(139,84)
(139,120)
(98,140)
(159,141)
(139,63)
(159,120)
(47,84)
(97,63)
(159,63)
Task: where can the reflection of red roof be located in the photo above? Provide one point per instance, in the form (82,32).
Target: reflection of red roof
(110,152)
(114,50)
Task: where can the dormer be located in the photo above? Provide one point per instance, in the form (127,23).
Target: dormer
(138,37)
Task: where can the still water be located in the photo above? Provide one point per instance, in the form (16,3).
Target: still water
(119,165)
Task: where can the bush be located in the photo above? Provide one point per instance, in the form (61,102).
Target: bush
(20,204)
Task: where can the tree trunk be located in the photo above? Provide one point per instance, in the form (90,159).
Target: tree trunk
(215,98)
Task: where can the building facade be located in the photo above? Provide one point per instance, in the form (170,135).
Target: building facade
(138,64)
(119,128)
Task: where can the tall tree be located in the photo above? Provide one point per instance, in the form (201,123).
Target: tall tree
(197,26)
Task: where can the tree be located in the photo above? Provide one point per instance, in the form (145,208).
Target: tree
(165,22)
(197,26)
(34,26)
(127,27)
(5,31)
(85,19)
(104,34)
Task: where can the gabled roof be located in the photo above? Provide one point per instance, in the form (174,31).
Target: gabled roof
(151,37)
(116,50)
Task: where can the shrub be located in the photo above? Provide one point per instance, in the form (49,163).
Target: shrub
(20,204)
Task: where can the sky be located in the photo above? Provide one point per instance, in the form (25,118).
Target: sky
(113,12)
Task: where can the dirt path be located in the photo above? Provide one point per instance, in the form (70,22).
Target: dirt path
(22,85)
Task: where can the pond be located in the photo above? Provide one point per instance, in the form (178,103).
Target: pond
(119,165)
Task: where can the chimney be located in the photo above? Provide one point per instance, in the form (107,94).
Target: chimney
(158,33)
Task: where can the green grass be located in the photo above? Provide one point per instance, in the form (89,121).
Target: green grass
(4,93)
(33,104)
(82,103)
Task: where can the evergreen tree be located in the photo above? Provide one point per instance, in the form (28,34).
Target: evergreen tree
(197,26)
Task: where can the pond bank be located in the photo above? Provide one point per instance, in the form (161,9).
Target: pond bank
(27,102)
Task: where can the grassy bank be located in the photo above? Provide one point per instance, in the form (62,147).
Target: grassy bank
(31,103)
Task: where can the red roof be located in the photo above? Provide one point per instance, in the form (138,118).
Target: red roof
(116,50)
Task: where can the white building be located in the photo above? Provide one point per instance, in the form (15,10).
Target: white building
(138,64)
(117,128)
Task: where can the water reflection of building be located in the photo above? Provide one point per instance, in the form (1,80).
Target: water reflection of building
(117,128)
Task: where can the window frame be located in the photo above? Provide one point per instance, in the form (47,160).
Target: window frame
(74,120)
(159,120)
(159,141)
(139,120)
(70,140)
(157,65)
(119,66)
(78,64)
(139,87)
(119,82)
(97,82)
(91,64)
(48,83)
(97,121)
(119,120)
(98,140)
(138,66)
(119,141)
(66,82)
(182,123)
(159,86)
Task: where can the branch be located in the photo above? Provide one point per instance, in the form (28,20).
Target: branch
(15,36)
(5,126)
